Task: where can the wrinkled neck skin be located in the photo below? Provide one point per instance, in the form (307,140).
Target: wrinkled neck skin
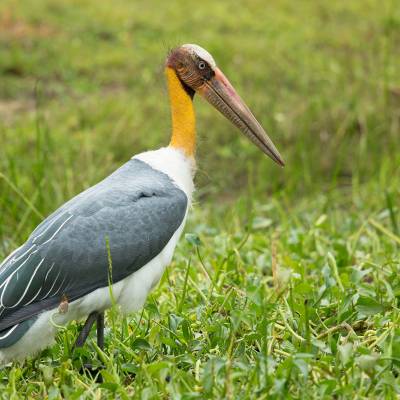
(183,135)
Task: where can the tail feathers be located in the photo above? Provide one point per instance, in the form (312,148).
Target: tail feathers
(26,338)
(11,335)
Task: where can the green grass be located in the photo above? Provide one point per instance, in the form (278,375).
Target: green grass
(286,284)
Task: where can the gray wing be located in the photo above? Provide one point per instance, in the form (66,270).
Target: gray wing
(130,215)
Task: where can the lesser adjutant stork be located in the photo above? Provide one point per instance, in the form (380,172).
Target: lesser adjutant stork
(134,218)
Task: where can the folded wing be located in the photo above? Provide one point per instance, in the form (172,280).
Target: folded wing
(131,216)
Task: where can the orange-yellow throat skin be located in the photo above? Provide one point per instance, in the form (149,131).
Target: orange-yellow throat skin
(183,119)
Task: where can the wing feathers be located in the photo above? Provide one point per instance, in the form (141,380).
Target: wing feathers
(136,211)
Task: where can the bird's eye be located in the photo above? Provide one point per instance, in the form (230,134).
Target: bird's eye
(202,65)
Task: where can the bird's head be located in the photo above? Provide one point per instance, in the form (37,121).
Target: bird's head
(198,73)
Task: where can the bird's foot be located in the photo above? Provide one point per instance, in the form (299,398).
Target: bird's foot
(94,372)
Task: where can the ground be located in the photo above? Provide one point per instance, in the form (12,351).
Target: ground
(286,283)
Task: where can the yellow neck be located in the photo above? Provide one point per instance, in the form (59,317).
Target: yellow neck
(183,119)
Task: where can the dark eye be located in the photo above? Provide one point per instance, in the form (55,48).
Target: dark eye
(202,65)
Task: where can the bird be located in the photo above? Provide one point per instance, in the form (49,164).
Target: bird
(120,233)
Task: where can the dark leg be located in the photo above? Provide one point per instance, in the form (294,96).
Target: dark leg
(84,333)
(100,330)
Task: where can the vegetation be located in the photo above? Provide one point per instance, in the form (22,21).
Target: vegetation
(287,282)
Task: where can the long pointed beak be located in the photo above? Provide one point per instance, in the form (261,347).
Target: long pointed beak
(219,92)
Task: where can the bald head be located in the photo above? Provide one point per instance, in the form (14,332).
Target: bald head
(193,65)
